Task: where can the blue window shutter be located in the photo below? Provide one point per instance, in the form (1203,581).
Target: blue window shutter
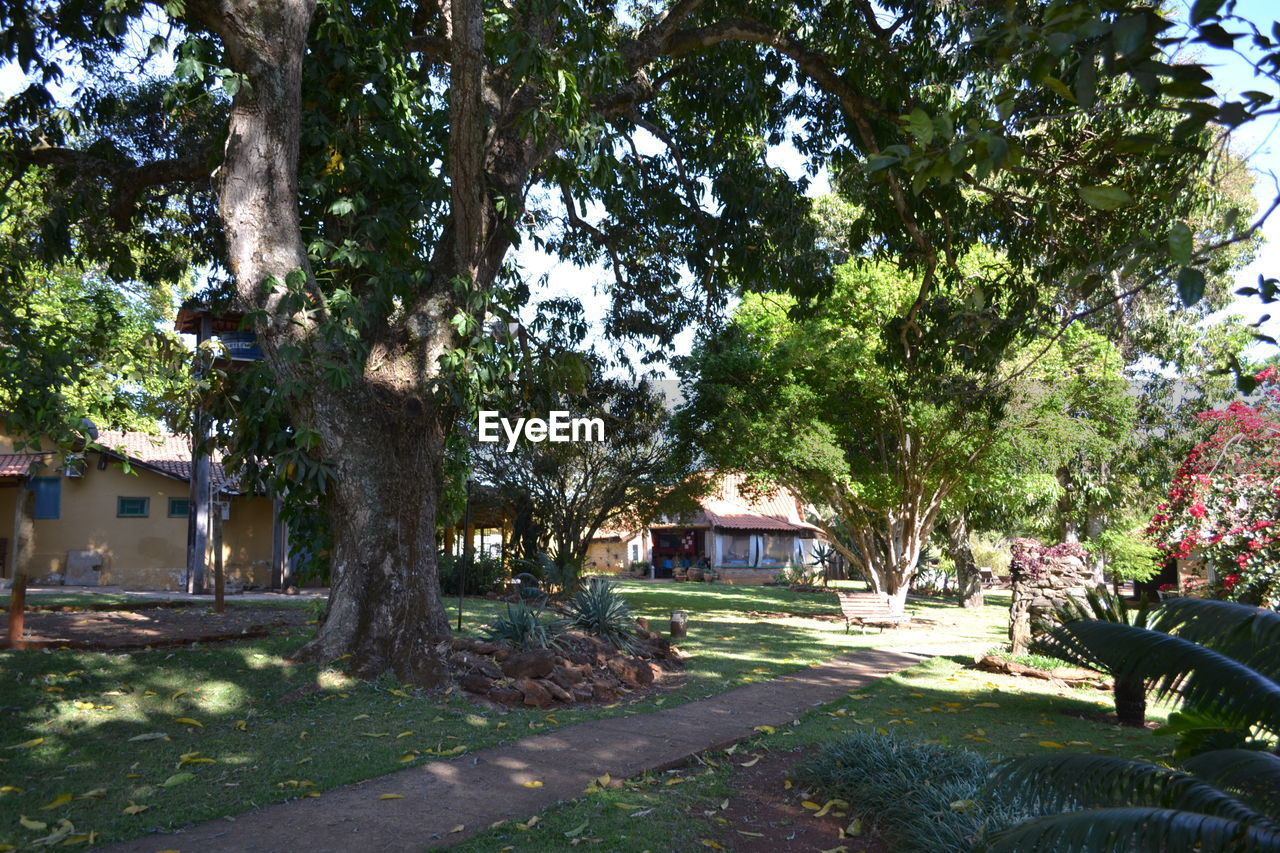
(48,502)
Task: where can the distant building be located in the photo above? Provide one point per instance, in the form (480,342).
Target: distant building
(89,521)
(746,538)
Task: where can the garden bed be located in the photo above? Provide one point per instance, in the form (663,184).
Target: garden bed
(580,669)
(154,625)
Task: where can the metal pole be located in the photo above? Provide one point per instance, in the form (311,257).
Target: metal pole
(466,551)
(198,520)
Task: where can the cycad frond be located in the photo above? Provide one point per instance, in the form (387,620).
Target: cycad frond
(1252,775)
(1135,830)
(1046,783)
(1203,678)
(1248,634)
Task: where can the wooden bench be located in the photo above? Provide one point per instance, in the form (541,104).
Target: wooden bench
(868,609)
(986,576)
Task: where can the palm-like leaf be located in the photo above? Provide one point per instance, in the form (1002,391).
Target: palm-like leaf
(1252,775)
(1248,634)
(1203,678)
(1058,782)
(1135,830)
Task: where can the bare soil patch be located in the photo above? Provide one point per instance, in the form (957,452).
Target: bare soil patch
(764,815)
(150,627)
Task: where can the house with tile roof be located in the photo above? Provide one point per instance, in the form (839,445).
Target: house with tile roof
(747,537)
(119,515)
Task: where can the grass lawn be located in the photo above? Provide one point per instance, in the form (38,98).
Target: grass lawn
(121,744)
(997,715)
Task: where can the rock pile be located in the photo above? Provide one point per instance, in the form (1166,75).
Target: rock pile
(581,669)
(1044,580)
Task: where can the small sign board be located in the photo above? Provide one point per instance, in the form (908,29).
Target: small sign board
(241,346)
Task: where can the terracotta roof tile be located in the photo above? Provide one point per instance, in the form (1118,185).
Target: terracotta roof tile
(168,454)
(19,464)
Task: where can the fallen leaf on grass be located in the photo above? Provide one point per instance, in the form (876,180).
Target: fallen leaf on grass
(529,824)
(403,734)
(149,736)
(391,797)
(94,794)
(751,834)
(534,784)
(766,729)
(412,756)
(1049,744)
(30,744)
(578,830)
(458,828)
(134,808)
(27,823)
(853,830)
(176,695)
(188,721)
(707,842)
(242,725)
(9,789)
(987,705)
(752,763)
(811,805)
(177,779)
(57,802)
(395,692)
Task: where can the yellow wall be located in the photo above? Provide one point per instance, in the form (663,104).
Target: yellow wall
(608,555)
(138,553)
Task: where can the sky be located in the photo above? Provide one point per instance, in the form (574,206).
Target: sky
(1258,141)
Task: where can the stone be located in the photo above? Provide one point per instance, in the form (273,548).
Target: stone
(475,663)
(534,663)
(583,692)
(557,692)
(474,682)
(631,671)
(533,692)
(566,676)
(602,692)
(505,695)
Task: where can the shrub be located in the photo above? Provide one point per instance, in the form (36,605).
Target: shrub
(990,553)
(598,608)
(485,574)
(921,797)
(523,628)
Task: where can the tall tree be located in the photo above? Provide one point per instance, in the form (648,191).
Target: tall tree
(374,163)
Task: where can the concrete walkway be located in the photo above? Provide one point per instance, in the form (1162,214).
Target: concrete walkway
(480,788)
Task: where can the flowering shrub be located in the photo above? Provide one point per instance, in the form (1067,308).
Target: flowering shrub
(1224,503)
(1029,556)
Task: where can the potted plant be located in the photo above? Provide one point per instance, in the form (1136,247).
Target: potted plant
(680,573)
(710,575)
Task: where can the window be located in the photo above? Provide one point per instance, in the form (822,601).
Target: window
(635,553)
(735,550)
(778,550)
(132,507)
(48,498)
(179,507)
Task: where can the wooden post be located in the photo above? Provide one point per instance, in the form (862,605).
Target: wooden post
(219,585)
(18,594)
(279,545)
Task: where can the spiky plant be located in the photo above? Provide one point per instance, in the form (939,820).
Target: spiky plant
(1102,606)
(523,628)
(598,608)
(1216,657)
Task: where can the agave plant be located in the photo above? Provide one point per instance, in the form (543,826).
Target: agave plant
(1102,606)
(523,628)
(1215,657)
(598,608)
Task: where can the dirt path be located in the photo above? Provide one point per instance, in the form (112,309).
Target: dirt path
(480,788)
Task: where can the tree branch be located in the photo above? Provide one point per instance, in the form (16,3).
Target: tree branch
(128,180)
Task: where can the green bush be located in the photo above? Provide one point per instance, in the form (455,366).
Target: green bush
(523,628)
(485,574)
(598,608)
(990,553)
(921,797)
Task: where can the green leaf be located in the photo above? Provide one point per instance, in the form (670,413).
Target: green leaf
(1203,10)
(920,126)
(1061,88)
(1190,286)
(1180,243)
(177,779)
(1128,33)
(1104,197)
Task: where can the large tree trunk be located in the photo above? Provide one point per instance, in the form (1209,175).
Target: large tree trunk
(968,582)
(385,608)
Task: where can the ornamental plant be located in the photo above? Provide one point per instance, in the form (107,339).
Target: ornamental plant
(1224,503)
